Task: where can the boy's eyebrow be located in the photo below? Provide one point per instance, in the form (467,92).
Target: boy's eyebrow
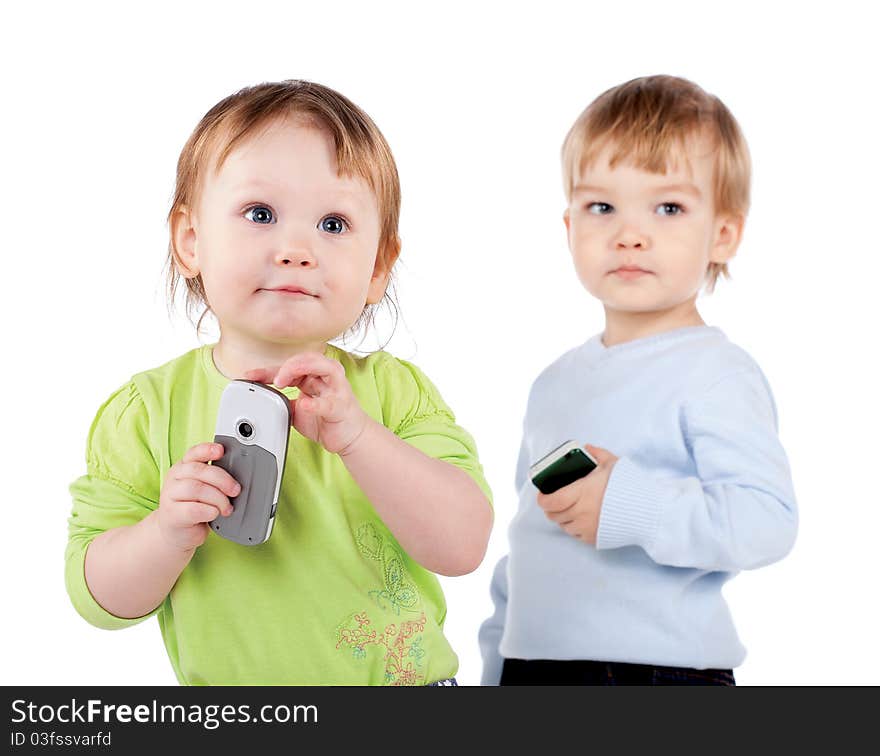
(686,188)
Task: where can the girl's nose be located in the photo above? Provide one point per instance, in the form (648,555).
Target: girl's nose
(299,256)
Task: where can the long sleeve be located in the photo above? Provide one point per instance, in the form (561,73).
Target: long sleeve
(120,487)
(493,628)
(737,512)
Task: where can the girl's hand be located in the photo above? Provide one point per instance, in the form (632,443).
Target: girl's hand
(326,410)
(193,494)
(577,506)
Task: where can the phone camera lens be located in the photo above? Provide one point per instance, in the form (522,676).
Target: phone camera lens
(245,430)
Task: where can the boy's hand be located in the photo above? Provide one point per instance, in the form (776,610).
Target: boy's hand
(193,494)
(576,507)
(326,411)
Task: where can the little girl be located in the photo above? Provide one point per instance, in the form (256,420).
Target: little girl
(284,226)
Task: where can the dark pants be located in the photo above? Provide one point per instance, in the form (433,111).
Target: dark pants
(449,682)
(577,672)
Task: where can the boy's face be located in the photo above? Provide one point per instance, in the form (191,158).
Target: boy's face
(277,216)
(661,226)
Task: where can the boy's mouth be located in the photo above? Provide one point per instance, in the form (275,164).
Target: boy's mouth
(630,271)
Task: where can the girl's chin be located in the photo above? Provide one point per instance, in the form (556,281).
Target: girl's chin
(281,330)
(299,332)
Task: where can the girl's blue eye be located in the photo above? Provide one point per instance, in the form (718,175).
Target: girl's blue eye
(598,208)
(262,214)
(670,208)
(333,224)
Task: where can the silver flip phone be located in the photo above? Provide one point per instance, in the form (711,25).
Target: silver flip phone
(562,466)
(253,425)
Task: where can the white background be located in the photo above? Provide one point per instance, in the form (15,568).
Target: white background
(475,100)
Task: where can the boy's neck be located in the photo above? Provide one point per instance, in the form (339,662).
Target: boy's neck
(622,326)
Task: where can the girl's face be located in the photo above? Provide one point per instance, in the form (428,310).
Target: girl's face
(286,248)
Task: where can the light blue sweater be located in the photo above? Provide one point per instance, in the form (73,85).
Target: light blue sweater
(701,490)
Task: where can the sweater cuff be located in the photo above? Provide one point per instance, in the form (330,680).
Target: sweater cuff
(630,514)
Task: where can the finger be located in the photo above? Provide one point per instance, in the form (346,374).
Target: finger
(598,453)
(560,499)
(322,406)
(560,518)
(313,385)
(548,502)
(298,366)
(309,364)
(190,489)
(194,512)
(570,526)
(210,474)
(260,375)
(296,375)
(203,452)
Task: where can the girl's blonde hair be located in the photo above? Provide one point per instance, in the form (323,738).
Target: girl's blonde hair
(361,150)
(645,119)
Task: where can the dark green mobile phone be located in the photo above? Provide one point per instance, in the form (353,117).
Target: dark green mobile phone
(562,466)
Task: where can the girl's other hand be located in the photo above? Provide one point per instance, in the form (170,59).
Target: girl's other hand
(326,410)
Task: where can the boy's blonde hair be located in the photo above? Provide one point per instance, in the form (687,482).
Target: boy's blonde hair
(361,150)
(646,119)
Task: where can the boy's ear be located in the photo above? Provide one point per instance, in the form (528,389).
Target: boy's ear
(728,234)
(566,219)
(385,260)
(183,239)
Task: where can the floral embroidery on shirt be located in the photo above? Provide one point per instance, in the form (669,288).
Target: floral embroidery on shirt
(398,643)
(399,591)
(416,651)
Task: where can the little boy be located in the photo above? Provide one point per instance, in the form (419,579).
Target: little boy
(616,578)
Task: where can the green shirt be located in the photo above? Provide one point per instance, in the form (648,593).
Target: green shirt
(331,598)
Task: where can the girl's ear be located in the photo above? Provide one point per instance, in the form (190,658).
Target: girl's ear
(183,242)
(385,260)
(378,285)
(728,234)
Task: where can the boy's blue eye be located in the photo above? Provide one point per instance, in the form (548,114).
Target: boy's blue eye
(262,214)
(333,224)
(670,208)
(599,208)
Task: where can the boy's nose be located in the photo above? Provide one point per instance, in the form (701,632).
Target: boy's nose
(629,238)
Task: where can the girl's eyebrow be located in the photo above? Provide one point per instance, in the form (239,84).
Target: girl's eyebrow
(257,183)
(254,182)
